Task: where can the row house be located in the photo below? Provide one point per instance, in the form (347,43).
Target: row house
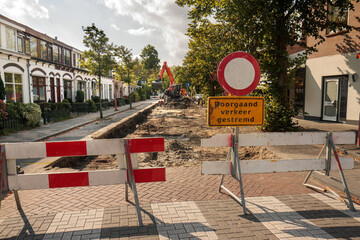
(332,82)
(37,68)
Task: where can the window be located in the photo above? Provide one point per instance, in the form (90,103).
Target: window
(67,89)
(39,89)
(27,46)
(43,50)
(13,87)
(81,85)
(335,16)
(55,53)
(20,44)
(33,47)
(50,51)
(10,39)
(67,57)
(74,60)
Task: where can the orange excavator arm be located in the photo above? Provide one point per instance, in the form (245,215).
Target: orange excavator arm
(167,69)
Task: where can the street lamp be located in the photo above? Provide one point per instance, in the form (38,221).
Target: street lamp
(113,75)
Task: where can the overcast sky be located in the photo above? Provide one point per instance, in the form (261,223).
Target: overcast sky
(132,23)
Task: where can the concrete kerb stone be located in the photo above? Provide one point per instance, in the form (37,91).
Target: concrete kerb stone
(100,134)
(111,129)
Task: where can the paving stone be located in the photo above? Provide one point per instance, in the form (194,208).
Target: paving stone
(173,221)
(327,213)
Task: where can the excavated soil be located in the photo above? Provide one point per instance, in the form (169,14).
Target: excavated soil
(183,125)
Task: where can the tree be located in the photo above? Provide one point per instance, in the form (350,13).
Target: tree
(125,68)
(98,58)
(150,58)
(266,29)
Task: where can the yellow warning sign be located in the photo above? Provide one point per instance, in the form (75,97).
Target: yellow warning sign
(235,111)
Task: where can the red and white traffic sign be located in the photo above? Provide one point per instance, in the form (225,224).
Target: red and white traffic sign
(239,73)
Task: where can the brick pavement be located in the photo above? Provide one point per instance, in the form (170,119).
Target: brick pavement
(187,206)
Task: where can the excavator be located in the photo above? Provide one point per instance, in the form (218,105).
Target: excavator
(175,90)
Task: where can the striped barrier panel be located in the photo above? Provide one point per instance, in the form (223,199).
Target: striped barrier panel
(276,139)
(124,149)
(15,151)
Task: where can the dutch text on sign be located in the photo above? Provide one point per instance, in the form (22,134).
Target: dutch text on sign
(235,111)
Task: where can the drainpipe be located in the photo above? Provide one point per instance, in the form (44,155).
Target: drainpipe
(29,80)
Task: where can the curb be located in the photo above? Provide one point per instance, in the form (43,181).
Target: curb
(78,125)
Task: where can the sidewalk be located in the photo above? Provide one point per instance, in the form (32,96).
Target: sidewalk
(51,129)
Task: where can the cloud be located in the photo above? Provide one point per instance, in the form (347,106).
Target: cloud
(141,31)
(115,27)
(20,9)
(164,16)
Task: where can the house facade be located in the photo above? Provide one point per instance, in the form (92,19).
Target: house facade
(37,68)
(332,75)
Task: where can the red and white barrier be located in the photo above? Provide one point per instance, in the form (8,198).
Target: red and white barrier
(276,139)
(15,151)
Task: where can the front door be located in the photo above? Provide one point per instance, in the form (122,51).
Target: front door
(335,98)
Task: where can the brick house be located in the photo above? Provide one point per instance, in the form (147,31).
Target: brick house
(332,75)
(38,68)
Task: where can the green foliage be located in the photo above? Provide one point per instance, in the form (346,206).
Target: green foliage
(66,103)
(3,113)
(126,67)
(278,117)
(265,29)
(135,96)
(91,104)
(150,58)
(96,99)
(142,94)
(2,90)
(32,115)
(15,110)
(99,57)
(80,96)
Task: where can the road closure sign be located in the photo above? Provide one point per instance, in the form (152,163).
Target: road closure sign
(239,73)
(235,111)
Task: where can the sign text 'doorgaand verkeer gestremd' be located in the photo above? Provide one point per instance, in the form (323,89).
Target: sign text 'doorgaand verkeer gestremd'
(235,111)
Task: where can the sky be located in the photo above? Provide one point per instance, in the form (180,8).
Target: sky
(132,23)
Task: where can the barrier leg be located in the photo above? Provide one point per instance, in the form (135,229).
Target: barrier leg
(132,180)
(17,199)
(328,155)
(126,192)
(310,172)
(234,154)
(351,205)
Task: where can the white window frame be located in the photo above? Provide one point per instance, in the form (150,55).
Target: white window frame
(13,83)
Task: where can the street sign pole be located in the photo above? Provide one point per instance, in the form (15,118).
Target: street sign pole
(236,155)
(239,75)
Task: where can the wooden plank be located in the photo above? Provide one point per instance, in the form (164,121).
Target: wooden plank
(216,167)
(268,166)
(218,140)
(293,138)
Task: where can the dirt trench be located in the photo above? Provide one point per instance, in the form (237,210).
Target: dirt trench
(182,124)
